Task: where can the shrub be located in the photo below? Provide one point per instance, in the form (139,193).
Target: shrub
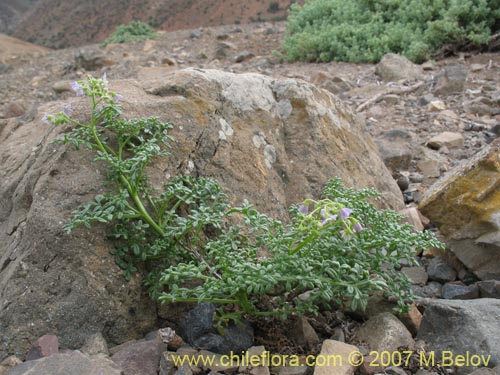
(335,250)
(365,30)
(131,32)
(274,7)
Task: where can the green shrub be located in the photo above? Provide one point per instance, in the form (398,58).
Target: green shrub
(335,250)
(365,30)
(131,32)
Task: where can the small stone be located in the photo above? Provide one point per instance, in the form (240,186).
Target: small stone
(451,80)
(142,357)
(412,319)
(340,350)
(436,106)
(228,365)
(393,370)
(385,332)
(449,139)
(8,363)
(195,34)
(368,368)
(338,334)
(489,288)
(255,367)
(45,346)
(416,177)
(431,290)
(95,344)
(290,370)
(458,290)
(61,86)
(184,370)
(403,182)
(89,60)
(428,65)
(440,271)
(243,56)
(393,67)
(417,275)
(477,67)
(168,61)
(304,334)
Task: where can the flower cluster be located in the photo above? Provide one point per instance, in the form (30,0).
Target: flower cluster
(92,87)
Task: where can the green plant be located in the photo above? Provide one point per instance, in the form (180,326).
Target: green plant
(274,7)
(365,30)
(131,32)
(337,249)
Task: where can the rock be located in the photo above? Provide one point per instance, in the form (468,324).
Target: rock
(440,271)
(197,329)
(222,48)
(8,363)
(74,363)
(169,337)
(305,137)
(463,326)
(139,358)
(45,346)
(243,56)
(195,34)
(451,80)
(89,59)
(431,290)
(61,86)
(336,357)
(458,290)
(477,67)
(290,370)
(395,67)
(489,288)
(14,109)
(254,366)
(5,68)
(395,149)
(417,275)
(403,182)
(413,217)
(368,366)
(412,319)
(385,332)
(95,344)
(304,334)
(480,106)
(336,85)
(465,206)
(436,106)
(220,363)
(394,370)
(430,163)
(447,139)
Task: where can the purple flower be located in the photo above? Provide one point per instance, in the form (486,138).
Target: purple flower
(77,88)
(48,119)
(322,213)
(67,109)
(117,97)
(328,219)
(303,209)
(357,227)
(345,212)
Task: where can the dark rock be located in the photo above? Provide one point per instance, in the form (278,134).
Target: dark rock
(197,329)
(43,347)
(489,288)
(463,326)
(195,34)
(4,68)
(139,358)
(89,60)
(71,363)
(458,290)
(440,271)
(403,182)
(431,290)
(451,80)
(243,56)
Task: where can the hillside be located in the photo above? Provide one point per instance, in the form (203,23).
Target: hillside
(102,17)
(11,12)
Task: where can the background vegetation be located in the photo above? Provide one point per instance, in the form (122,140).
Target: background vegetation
(365,30)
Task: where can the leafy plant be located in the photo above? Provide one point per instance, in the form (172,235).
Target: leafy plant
(131,32)
(194,247)
(365,30)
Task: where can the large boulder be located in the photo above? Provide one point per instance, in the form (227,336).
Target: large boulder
(272,142)
(463,327)
(465,205)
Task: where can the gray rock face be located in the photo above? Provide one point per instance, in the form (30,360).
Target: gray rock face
(74,363)
(461,326)
(139,358)
(440,271)
(451,80)
(272,142)
(458,290)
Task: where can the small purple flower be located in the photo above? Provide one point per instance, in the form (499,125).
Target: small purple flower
(48,119)
(77,88)
(345,212)
(328,219)
(322,213)
(117,97)
(67,109)
(357,227)
(303,209)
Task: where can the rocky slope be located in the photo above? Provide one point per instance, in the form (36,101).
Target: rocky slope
(55,23)
(11,12)
(426,121)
